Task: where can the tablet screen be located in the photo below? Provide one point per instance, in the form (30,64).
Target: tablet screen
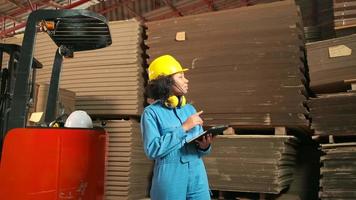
(215,130)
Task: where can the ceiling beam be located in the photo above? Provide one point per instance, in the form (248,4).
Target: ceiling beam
(211,5)
(31,5)
(247,2)
(18,4)
(11,18)
(113,6)
(19,11)
(123,4)
(24,9)
(75,4)
(55,4)
(184,9)
(175,10)
(132,11)
(4,33)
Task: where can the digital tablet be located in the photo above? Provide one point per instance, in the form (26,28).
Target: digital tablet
(215,130)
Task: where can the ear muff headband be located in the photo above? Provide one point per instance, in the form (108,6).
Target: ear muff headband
(175,101)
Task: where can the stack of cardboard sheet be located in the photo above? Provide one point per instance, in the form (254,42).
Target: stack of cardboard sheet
(66,99)
(344,13)
(310,19)
(333,114)
(65,103)
(150,10)
(338,172)
(107,81)
(245,70)
(128,169)
(331,62)
(325,17)
(251,163)
(184,7)
(189,7)
(318,19)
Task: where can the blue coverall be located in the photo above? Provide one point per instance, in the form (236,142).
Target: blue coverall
(179,172)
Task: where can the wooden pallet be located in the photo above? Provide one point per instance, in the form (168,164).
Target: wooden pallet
(303,134)
(279,130)
(334,139)
(352,84)
(226,195)
(270,130)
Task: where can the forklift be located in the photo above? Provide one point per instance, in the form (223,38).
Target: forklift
(52,163)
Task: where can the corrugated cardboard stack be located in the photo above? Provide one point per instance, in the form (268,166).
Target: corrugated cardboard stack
(189,7)
(308,10)
(66,100)
(109,81)
(331,66)
(333,114)
(318,19)
(325,18)
(245,70)
(338,171)
(128,169)
(259,163)
(330,63)
(344,13)
(150,10)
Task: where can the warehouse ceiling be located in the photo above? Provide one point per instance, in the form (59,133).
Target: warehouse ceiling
(14,13)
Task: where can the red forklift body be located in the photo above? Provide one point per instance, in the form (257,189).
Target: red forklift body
(53,164)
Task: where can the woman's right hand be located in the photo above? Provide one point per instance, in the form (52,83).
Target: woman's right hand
(192,121)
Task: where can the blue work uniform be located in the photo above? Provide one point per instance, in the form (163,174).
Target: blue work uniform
(179,172)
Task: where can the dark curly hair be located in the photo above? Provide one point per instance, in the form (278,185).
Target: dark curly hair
(160,88)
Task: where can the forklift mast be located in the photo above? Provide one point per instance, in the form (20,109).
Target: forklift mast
(8,79)
(47,163)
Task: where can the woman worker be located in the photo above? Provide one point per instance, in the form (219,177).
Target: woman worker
(167,125)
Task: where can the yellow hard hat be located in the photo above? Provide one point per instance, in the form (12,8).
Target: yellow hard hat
(164,66)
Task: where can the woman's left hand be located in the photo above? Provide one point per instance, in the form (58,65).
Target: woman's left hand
(205,142)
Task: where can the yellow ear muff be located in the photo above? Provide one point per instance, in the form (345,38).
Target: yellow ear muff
(174,101)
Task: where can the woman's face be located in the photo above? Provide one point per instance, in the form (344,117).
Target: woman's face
(180,86)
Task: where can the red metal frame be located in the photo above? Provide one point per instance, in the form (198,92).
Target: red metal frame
(16,3)
(247,2)
(210,4)
(30,5)
(174,9)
